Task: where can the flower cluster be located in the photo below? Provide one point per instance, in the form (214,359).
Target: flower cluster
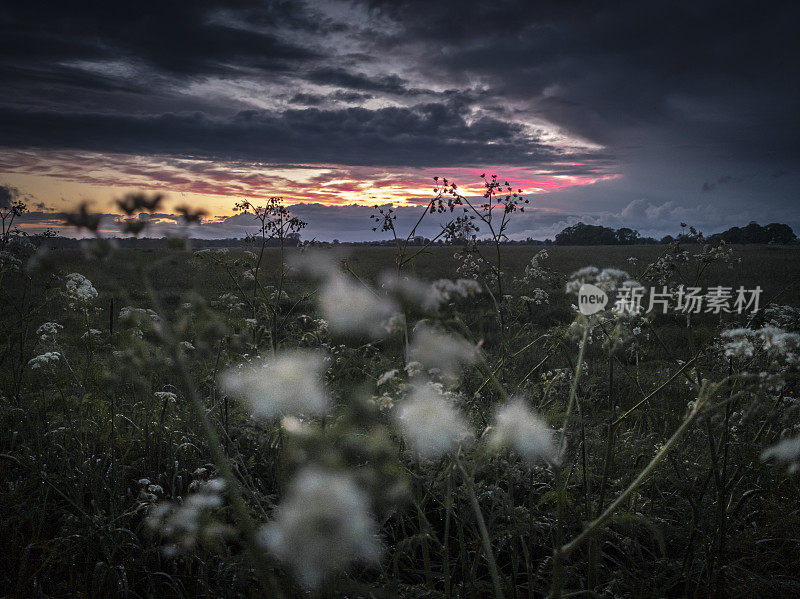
(45,359)
(187,522)
(430,422)
(48,331)
(351,308)
(742,343)
(516,427)
(322,525)
(288,384)
(79,290)
(443,352)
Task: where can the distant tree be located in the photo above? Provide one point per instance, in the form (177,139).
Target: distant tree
(626,236)
(732,235)
(583,234)
(754,233)
(780,233)
(667,239)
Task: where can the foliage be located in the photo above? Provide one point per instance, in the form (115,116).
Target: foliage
(283,421)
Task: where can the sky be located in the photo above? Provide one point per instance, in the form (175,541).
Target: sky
(639,114)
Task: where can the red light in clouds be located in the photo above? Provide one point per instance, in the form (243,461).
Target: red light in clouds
(214,184)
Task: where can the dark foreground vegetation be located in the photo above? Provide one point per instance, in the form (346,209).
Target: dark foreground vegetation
(412,437)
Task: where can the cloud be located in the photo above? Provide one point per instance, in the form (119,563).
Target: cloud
(420,135)
(663,95)
(7,195)
(724,180)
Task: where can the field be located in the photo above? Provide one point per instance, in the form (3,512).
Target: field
(326,423)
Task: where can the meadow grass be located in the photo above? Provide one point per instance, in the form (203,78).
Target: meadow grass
(111,454)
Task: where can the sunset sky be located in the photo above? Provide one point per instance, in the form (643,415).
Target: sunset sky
(641,114)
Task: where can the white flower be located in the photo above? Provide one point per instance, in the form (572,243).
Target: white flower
(45,359)
(165,396)
(429,296)
(47,331)
(518,428)
(351,308)
(289,383)
(431,424)
(322,526)
(79,289)
(186,345)
(439,350)
(386,377)
(184,522)
(786,451)
(538,297)
(134,316)
(608,279)
(91,333)
(740,344)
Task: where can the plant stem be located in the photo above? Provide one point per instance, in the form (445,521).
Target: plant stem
(487,545)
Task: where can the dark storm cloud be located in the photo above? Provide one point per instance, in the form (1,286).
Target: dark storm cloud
(390,84)
(7,195)
(182,38)
(632,74)
(306,99)
(419,135)
(677,95)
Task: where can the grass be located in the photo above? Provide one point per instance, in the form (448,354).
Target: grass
(650,499)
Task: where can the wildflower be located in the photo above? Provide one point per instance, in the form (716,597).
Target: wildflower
(739,344)
(518,428)
(430,422)
(430,296)
(607,279)
(534,270)
(322,526)
(413,368)
(186,345)
(47,331)
(386,377)
(786,451)
(184,522)
(537,296)
(352,309)
(79,290)
(91,333)
(165,396)
(778,341)
(134,316)
(45,359)
(9,260)
(290,383)
(436,349)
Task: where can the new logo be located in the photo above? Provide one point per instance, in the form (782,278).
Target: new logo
(591,299)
